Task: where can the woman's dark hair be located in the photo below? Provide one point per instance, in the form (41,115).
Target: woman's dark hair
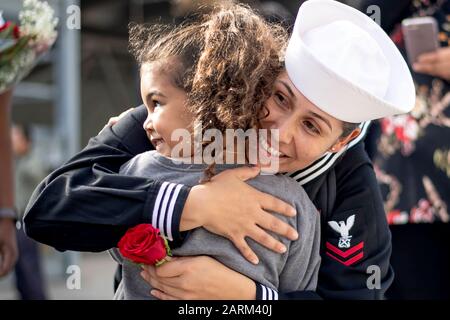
(348,127)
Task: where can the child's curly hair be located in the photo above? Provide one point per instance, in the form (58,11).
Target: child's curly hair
(229,60)
(236,69)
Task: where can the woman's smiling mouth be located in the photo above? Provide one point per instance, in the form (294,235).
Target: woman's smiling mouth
(270,150)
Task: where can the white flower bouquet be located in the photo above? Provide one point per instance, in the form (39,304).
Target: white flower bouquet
(22,45)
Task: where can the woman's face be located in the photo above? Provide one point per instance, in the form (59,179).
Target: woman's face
(305,131)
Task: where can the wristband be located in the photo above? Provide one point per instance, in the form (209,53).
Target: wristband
(8,213)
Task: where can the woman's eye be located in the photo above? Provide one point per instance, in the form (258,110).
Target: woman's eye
(311,127)
(280,99)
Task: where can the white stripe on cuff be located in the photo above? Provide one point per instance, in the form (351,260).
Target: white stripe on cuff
(162,212)
(268,294)
(164,207)
(157,203)
(275,295)
(170,212)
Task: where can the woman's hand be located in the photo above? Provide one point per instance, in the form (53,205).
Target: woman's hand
(198,278)
(229,207)
(434,63)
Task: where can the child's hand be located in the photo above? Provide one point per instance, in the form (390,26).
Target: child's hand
(113,120)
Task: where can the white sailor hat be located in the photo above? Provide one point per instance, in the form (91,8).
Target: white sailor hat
(344,63)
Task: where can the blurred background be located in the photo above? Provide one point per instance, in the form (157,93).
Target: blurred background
(89,76)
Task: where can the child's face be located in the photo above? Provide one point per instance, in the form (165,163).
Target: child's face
(165,103)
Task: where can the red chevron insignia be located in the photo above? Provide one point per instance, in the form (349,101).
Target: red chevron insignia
(349,262)
(345,254)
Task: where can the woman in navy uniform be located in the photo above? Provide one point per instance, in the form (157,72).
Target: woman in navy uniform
(86,206)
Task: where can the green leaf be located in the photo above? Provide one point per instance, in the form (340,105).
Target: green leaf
(166,244)
(160,262)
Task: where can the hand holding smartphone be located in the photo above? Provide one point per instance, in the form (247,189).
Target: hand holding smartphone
(421,36)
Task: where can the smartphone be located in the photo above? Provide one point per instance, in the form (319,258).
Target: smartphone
(421,36)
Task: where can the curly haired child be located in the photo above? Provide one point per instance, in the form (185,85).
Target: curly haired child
(218,71)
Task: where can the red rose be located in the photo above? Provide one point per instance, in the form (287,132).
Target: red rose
(144,244)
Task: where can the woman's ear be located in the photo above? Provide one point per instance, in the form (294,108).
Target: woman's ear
(342,142)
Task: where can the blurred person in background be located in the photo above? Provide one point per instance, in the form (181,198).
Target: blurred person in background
(8,245)
(413,163)
(29,171)
(22,42)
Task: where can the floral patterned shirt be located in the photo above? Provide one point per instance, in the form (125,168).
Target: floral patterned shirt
(413,161)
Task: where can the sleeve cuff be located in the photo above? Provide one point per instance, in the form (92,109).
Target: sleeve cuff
(265,293)
(168,208)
